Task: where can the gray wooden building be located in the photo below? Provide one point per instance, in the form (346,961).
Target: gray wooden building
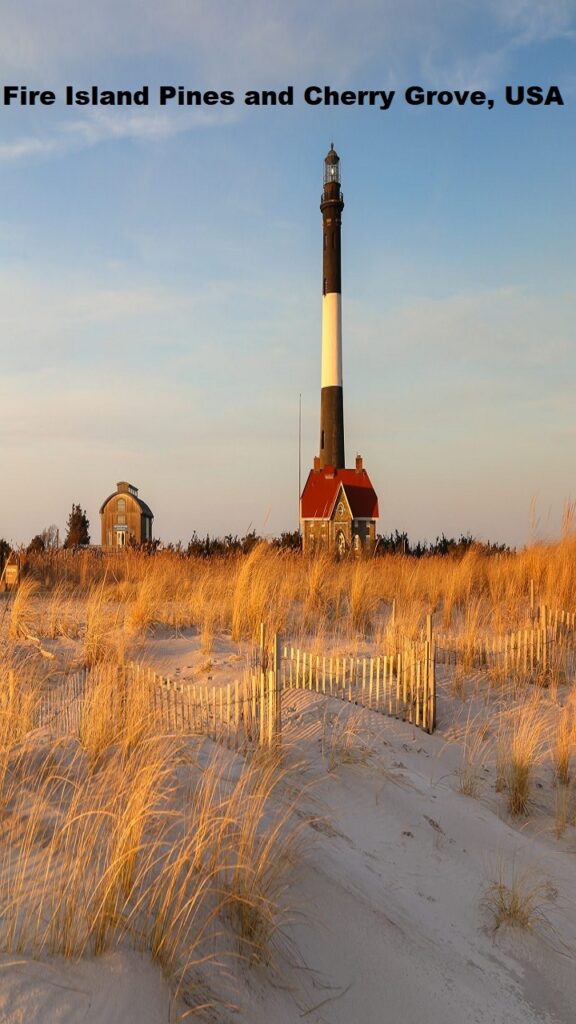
(125,518)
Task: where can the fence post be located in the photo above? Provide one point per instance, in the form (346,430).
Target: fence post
(262,719)
(429,685)
(277,696)
(263,658)
(544,626)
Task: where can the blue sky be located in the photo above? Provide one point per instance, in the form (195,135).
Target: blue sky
(160,285)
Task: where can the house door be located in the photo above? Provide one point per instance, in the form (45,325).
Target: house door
(340,543)
(121,538)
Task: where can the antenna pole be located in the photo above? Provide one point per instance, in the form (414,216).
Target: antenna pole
(299,455)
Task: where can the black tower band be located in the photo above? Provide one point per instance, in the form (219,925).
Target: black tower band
(331,403)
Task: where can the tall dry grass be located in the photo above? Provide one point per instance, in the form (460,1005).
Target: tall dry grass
(528,743)
(345,737)
(517,896)
(476,591)
(104,636)
(563,745)
(475,751)
(22,612)
(124,835)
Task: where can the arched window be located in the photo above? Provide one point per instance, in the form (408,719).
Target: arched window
(121,505)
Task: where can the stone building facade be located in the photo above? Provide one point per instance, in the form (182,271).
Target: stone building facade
(338,510)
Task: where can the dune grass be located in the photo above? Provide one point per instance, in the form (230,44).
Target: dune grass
(517,896)
(125,835)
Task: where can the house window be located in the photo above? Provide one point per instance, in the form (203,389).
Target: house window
(121,506)
(356,542)
(120,519)
(322,440)
(340,510)
(340,543)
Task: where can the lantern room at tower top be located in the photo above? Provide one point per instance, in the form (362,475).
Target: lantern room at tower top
(338,506)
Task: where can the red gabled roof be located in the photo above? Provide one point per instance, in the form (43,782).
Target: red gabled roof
(321,490)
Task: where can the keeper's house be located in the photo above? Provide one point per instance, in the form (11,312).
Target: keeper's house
(338,510)
(125,518)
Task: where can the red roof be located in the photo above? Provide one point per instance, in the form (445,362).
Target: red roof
(322,487)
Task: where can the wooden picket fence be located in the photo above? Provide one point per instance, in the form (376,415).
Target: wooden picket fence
(401,684)
(246,714)
(527,650)
(533,651)
(59,710)
(560,622)
(242,715)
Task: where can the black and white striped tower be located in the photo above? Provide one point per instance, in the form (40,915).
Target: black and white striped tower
(331,402)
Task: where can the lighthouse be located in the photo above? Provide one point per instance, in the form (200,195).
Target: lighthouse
(331,398)
(338,506)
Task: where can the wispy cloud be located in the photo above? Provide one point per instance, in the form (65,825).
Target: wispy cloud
(26,147)
(268,37)
(476,327)
(30,304)
(535,21)
(99,127)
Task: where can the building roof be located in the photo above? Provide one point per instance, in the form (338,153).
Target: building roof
(144,508)
(322,487)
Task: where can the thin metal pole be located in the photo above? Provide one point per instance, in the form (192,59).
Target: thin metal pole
(299,455)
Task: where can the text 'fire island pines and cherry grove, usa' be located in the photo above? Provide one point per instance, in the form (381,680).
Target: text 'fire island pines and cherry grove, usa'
(12,95)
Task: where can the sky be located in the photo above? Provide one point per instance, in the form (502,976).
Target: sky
(161,266)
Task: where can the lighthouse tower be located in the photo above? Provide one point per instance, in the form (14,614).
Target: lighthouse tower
(338,506)
(331,400)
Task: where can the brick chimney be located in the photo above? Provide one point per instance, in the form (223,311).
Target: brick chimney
(316,463)
(358,463)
